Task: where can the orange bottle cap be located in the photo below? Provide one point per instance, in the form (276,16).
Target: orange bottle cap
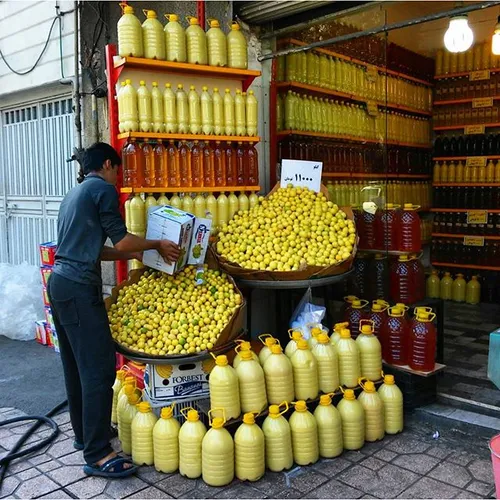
(323,338)
(302,345)
(221,360)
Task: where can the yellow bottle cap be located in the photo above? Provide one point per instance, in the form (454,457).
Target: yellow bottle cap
(216,89)
(389,379)
(128,81)
(356,304)
(349,394)
(144,407)
(350,298)
(192,87)
(325,400)
(250,92)
(180,86)
(302,345)
(389,205)
(214,23)
(133,398)
(193,20)
(296,335)
(151,14)
(245,346)
(270,341)
(173,18)
(120,375)
(367,329)
(460,275)
(376,308)
(142,82)
(403,258)
(129,389)
(193,416)
(408,206)
(274,411)
(204,88)
(168,85)
(246,355)
(300,406)
(345,334)
(369,386)
(235,26)
(167,412)
(323,338)
(423,316)
(316,331)
(249,418)
(340,326)
(227,91)
(379,256)
(217,423)
(221,360)
(128,9)
(276,349)
(154,84)
(400,305)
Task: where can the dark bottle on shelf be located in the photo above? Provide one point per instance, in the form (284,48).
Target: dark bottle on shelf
(445,146)
(461,146)
(449,223)
(490,144)
(453,147)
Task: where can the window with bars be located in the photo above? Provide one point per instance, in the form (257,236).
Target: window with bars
(57,108)
(20,115)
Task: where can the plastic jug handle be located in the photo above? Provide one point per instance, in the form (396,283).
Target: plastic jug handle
(264,336)
(213,355)
(290,332)
(145,12)
(341,389)
(123,5)
(184,411)
(367,322)
(360,382)
(422,308)
(285,404)
(210,412)
(210,19)
(432,317)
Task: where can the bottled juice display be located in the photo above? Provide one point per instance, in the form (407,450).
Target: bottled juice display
(304,435)
(353,421)
(278,439)
(200,207)
(337,328)
(157,109)
(445,288)
(144,107)
(163,200)
(355,314)
(196,165)
(224,388)
(181,102)
(128,113)
(392,397)
(390,221)
(230,163)
(207,112)
(432,285)
(291,347)
(160,165)
(240,165)
(166,442)
(249,450)
(253,199)
(473,291)
(218,112)
(153,37)
(119,95)
(394,339)
(410,239)
(305,372)
(252,384)
(329,428)
(229,114)
(196,42)
(278,374)
(377,317)
(217,44)
(239,113)
(378,281)
(243,346)
(187,203)
(251,114)
(268,341)
(130,41)
(170,109)
(149,205)
(191,435)
(222,210)
(138,216)
(133,165)
(458,288)
(172,165)
(374,411)
(349,360)
(217,453)
(328,364)
(237,54)
(232,201)
(120,376)
(208,165)
(417,273)
(194,111)
(149,164)
(220,167)
(401,284)
(126,414)
(211,202)
(184,160)
(423,342)
(142,435)
(370,352)
(176,202)
(251,165)
(243,202)
(175,38)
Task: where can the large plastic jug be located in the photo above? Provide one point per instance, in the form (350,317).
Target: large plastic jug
(249,450)
(217,44)
(222,210)
(445,288)
(207,112)
(374,411)
(458,288)
(305,372)
(196,41)
(328,364)
(349,362)
(217,452)
(355,314)
(169,109)
(166,441)
(370,352)
(224,388)
(251,113)
(119,95)
(126,413)
(191,435)
(352,414)
(392,397)
(175,38)
(410,238)
(473,291)
(304,435)
(278,372)
(395,337)
(237,54)
(402,281)
(239,113)
(390,223)
(138,216)
(120,376)
(194,111)
(267,340)
(278,439)
(291,347)
(153,37)
(423,340)
(378,317)
(128,112)
(157,109)
(337,328)
(200,207)
(243,345)
(252,384)
(229,120)
(129,33)
(181,101)
(218,112)
(142,435)
(433,283)
(329,428)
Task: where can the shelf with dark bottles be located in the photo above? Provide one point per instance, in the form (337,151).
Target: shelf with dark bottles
(465,198)
(454,225)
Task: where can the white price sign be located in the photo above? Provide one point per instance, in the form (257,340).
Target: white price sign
(301,173)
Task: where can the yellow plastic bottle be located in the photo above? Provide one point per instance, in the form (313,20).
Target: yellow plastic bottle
(243,345)
(157,109)
(253,199)
(243,202)
(374,411)
(169,109)
(142,434)
(222,210)
(149,204)
(473,291)
(305,372)
(166,441)
(191,435)
(352,414)
(370,351)
(278,439)
(328,364)
(490,172)
(445,288)
(251,113)
(392,397)
(232,201)
(217,44)
(187,203)
(329,428)
(452,172)
(144,107)
(217,452)
(129,34)
(497,172)
(176,202)
(194,111)
(249,450)
(291,347)
(128,113)
(212,210)
(436,172)
(349,359)
(119,95)
(138,216)
(153,37)
(433,283)
(162,200)
(278,373)
(181,102)
(200,207)
(196,41)
(304,435)
(126,414)
(337,328)
(229,119)
(239,114)
(458,288)
(237,55)
(120,377)
(207,112)
(175,38)
(224,388)
(459,173)
(218,112)
(313,338)
(267,340)
(252,384)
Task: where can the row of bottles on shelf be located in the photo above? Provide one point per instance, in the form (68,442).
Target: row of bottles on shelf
(155,165)
(458,172)
(465,114)
(172,43)
(209,114)
(473,197)
(478,57)
(357,158)
(338,74)
(489,285)
(458,289)
(355,193)
(313,114)
(454,251)
(463,88)
(456,223)
(468,145)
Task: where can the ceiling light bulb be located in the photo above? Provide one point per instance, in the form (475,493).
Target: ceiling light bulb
(459,36)
(495,41)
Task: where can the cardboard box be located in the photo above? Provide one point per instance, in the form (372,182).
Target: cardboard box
(169,223)
(45,296)
(199,241)
(48,334)
(45,271)
(48,317)
(48,253)
(55,340)
(41,332)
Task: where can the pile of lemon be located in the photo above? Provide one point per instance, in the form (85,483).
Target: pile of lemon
(292,229)
(168,315)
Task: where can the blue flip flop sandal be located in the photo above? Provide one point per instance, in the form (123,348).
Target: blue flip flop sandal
(117,465)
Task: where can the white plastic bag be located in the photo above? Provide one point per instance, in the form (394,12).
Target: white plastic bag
(21,300)
(307,315)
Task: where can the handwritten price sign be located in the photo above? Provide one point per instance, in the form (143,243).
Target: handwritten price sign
(301,173)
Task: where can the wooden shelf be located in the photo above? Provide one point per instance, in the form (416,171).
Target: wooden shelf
(438,367)
(358,175)
(466,184)
(463,73)
(187,137)
(464,158)
(352,97)
(450,235)
(461,101)
(464,210)
(218,189)
(462,127)
(467,266)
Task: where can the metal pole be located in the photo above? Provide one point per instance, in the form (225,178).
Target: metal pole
(76,92)
(381,29)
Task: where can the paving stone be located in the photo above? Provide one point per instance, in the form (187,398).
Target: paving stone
(417,462)
(334,489)
(6,409)
(439,451)
(271,483)
(125,487)
(62,418)
(151,475)
(288,493)
(61,448)
(28,474)
(203,490)
(371,448)
(36,487)
(406,445)
(67,475)
(150,492)
(467,495)
(430,488)
(67,428)
(48,466)
(75,458)
(480,488)
(387,482)
(307,481)
(353,456)
(18,466)
(330,467)
(176,485)
(57,495)
(385,455)
(453,474)
(460,457)
(88,487)
(481,470)
(40,459)
(241,490)
(9,485)
(372,463)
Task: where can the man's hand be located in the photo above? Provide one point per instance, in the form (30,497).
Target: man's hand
(169,251)
(137,256)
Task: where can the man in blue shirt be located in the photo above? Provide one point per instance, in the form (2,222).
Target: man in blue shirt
(88,216)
